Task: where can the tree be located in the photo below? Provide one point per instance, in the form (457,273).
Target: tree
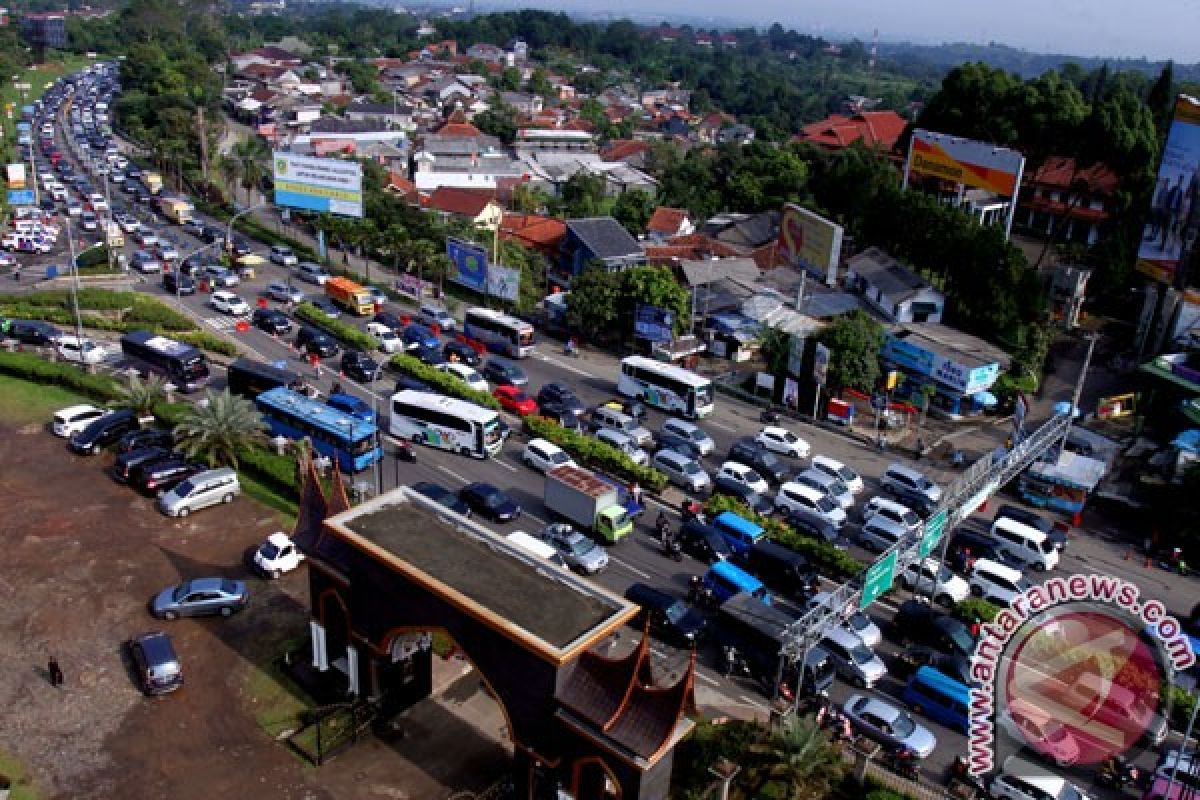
(142,396)
(583,195)
(500,121)
(796,761)
(653,286)
(633,209)
(216,430)
(854,341)
(594,302)
(251,155)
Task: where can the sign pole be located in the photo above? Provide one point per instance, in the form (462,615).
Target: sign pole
(816,403)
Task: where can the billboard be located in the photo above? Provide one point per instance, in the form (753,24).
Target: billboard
(1174,208)
(503,282)
(653,323)
(318,184)
(20,197)
(810,241)
(821,364)
(966,161)
(470,264)
(16,176)
(921,362)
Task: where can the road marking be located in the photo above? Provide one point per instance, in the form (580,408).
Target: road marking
(536,519)
(452,474)
(222,323)
(752,702)
(706,679)
(713,423)
(629,567)
(508,467)
(562,365)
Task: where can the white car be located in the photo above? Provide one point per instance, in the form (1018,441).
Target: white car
(128,224)
(837,469)
(7,260)
(465,374)
(228,303)
(544,456)
(97,202)
(277,555)
(948,588)
(995,582)
(389,341)
(782,441)
(744,475)
(72,419)
(82,351)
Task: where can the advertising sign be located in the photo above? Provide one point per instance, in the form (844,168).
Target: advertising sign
(20,197)
(820,364)
(810,241)
(16,176)
(919,361)
(318,184)
(654,323)
(1175,205)
(503,282)
(966,161)
(795,354)
(470,264)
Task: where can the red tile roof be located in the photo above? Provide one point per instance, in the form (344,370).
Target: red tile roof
(1057,172)
(531,230)
(461,202)
(667,220)
(400,185)
(624,149)
(876,129)
(457,125)
(276,54)
(324,147)
(264,95)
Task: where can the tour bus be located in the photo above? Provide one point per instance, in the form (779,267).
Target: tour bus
(499,332)
(183,365)
(445,422)
(673,389)
(250,378)
(335,434)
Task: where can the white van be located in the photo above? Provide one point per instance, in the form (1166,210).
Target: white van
(200,491)
(1023,780)
(792,496)
(1025,545)
(430,315)
(536,547)
(891,510)
(996,582)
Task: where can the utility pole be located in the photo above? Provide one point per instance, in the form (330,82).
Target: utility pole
(203,132)
(1087,360)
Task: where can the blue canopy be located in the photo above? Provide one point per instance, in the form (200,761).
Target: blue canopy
(1065,407)
(986,399)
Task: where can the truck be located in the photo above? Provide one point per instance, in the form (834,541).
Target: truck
(114,237)
(757,633)
(575,495)
(350,296)
(177,209)
(153,181)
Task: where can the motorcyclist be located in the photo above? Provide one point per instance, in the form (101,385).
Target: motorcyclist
(663,526)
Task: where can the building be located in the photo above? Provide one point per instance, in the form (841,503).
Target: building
(877,130)
(476,206)
(893,289)
(393,115)
(666,223)
(45,31)
(533,232)
(1058,192)
(595,239)
(958,368)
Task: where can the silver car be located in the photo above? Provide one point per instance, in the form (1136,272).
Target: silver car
(283,293)
(683,471)
(580,552)
(855,661)
(200,597)
(625,444)
(888,725)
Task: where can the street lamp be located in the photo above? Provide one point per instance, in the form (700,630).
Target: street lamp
(179,269)
(235,217)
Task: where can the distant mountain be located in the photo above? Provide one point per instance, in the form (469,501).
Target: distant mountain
(1022,62)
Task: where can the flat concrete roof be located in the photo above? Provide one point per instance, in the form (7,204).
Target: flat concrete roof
(946,341)
(552,610)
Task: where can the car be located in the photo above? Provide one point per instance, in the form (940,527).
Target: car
(624,443)
(194,226)
(667,615)
(200,597)
(782,441)
(824,482)
(102,432)
(955,667)
(240,247)
(74,208)
(543,455)
(177,283)
(853,659)
(565,418)
(918,502)
(360,366)
(160,476)
(917,622)
(33,331)
(155,663)
(326,307)
(513,399)
(415,334)
(311,273)
(580,552)
(898,477)
(890,726)
(853,620)
(442,496)
(311,341)
(277,555)
(704,542)
(465,374)
(490,502)
(503,372)
(1045,735)
(463,353)
(921,577)
(757,502)
(228,303)
(814,525)
(685,437)
(430,356)
(89,221)
(1035,521)
(389,341)
(1019,779)
(745,475)
(282,254)
(995,582)
(96,201)
(378,296)
(145,237)
(271,320)
(351,405)
(72,419)
(683,471)
(127,462)
(218,276)
(746,450)
(139,438)
(167,250)
(560,396)
(80,350)
(146,262)
(389,319)
(630,406)
(282,292)
(431,315)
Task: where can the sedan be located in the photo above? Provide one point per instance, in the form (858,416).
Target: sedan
(505,373)
(561,397)
(513,399)
(283,293)
(325,307)
(389,340)
(465,374)
(229,303)
(200,597)
(271,321)
(744,475)
(890,726)
(782,441)
(463,353)
(442,496)
(492,503)
(360,366)
(580,552)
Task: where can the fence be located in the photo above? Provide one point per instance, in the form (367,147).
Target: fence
(330,729)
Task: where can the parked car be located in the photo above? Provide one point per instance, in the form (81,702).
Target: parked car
(164,474)
(271,320)
(890,726)
(443,497)
(513,399)
(80,350)
(277,555)
(32,331)
(283,292)
(200,597)
(360,366)
(103,431)
(504,373)
(311,341)
(782,441)
(490,502)
(580,552)
(668,616)
(138,438)
(72,419)
(155,663)
(130,460)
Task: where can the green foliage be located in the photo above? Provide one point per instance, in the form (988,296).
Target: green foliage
(710,742)
(756,177)
(27,366)
(142,396)
(633,209)
(94,256)
(220,429)
(976,608)
(854,341)
(443,382)
(278,472)
(582,196)
(207,341)
(1182,703)
(832,563)
(348,334)
(654,286)
(602,304)
(886,794)
(500,121)
(596,454)
(796,761)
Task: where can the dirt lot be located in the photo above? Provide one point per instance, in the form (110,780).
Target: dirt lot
(83,556)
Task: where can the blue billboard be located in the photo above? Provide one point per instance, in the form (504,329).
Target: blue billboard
(20,197)
(654,323)
(470,264)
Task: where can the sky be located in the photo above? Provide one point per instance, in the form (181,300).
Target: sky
(1155,29)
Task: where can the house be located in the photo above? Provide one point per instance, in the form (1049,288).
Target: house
(692,246)
(893,289)
(550,171)
(627,151)
(1085,198)
(674,124)
(446,89)
(953,368)
(278,56)
(744,230)
(519,49)
(710,125)
(558,140)
(534,232)
(394,115)
(399,185)
(388,154)
(524,102)
(458,154)
(666,223)
(595,239)
(878,130)
(486,52)
(477,206)
(737,133)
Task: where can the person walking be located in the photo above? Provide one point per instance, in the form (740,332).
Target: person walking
(54,672)
(635,492)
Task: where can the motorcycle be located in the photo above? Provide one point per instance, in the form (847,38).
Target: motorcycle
(700,595)
(672,548)
(404,451)
(735,663)
(769,417)
(1117,775)
(903,762)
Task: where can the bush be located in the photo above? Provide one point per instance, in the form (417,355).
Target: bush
(278,472)
(1182,702)
(832,563)
(29,367)
(94,256)
(594,453)
(347,334)
(976,607)
(207,341)
(442,382)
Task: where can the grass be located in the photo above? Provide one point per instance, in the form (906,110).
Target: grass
(22,402)
(258,490)
(277,700)
(12,769)
(39,76)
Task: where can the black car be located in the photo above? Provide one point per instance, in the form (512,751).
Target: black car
(144,437)
(490,502)
(311,341)
(740,491)
(407,382)
(241,247)
(502,372)
(102,432)
(442,496)
(159,476)
(917,622)
(192,264)
(560,396)
(563,416)
(1033,520)
(462,352)
(155,663)
(778,567)
(968,546)
(211,233)
(360,366)
(910,660)
(391,320)
(129,461)
(177,283)
(428,355)
(915,501)
(669,616)
(703,542)
(813,525)
(271,320)
(749,452)
(33,331)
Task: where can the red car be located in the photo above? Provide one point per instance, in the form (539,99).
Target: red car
(513,399)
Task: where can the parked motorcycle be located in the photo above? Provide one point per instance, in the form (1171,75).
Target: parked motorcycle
(903,762)
(769,416)
(1117,773)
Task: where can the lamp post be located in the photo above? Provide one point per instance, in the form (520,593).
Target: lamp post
(179,269)
(238,215)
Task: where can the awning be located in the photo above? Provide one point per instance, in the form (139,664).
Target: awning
(986,399)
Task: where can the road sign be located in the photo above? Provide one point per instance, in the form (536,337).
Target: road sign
(935,526)
(880,576)
(20,197)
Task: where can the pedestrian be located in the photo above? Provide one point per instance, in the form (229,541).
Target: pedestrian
(976,623)
(55,672)
(337,388)
(635,492)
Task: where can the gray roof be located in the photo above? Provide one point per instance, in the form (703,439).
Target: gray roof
(339,125)
(886,274)
(605,237)
(962,347)
(752,230)
(379,109)
(702,272)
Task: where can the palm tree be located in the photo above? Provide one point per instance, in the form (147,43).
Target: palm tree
(142,396)
(395,238)
(216,429)
(231,173)
(251,155)
(796,761)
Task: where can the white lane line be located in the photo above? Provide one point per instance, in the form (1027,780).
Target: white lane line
(632,569)
(722,426)
(710,681)
(452,474)
(536,519)
(508,467)
(752,702)
(561,365)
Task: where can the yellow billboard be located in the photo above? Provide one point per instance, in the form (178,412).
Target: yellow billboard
(971,163)
(810,241)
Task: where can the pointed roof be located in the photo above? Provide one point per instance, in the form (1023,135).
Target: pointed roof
(624,149)
(532,230)
(461,202)
(876,129)
(667,220)
(457,125)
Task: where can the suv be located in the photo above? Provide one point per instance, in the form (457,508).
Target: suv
(1033,520)
(668,616)
(899,478)
(311,341)
(102,432)
(604,418)
(749,452)
(559,396)
(163,474)
(685,437)
(969,546)
(155,663)
(917,622)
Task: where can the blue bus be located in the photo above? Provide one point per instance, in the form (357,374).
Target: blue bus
(336,434)
(939,697)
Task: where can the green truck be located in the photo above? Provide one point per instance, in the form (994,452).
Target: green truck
(577,496)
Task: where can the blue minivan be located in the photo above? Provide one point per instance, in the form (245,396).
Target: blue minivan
(939,697)
(725,580)
(742,534)
(416,335)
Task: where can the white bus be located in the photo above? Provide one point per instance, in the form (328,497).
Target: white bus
(499,332)
(445,422)
(671,388)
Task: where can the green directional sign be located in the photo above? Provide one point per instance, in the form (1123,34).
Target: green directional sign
(880,576)
(935,526)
